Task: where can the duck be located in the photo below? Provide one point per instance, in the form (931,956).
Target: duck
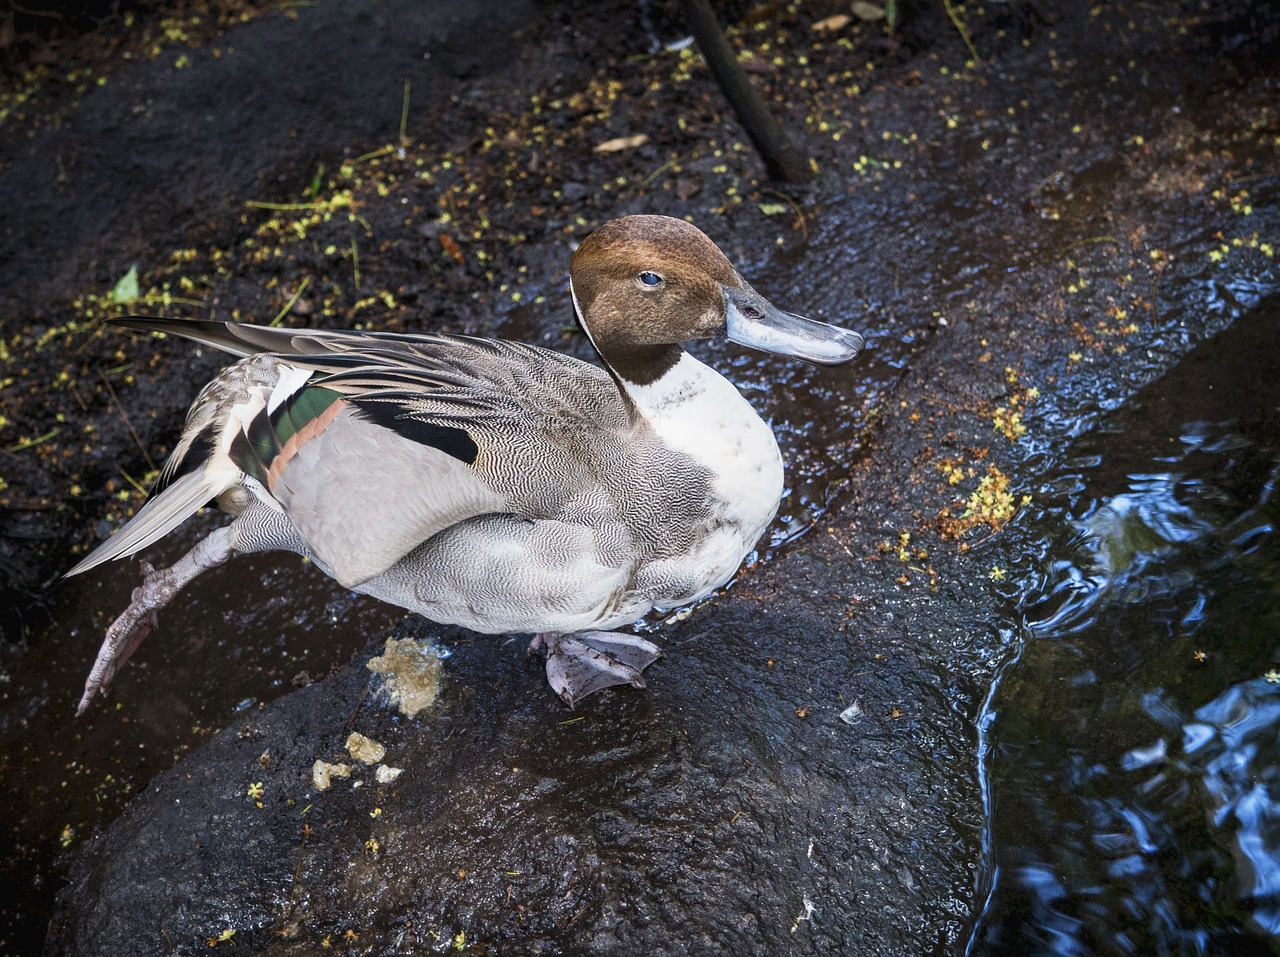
(487,483)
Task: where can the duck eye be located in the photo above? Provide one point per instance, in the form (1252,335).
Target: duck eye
(650,279)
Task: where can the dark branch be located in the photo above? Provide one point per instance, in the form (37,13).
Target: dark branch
(781,158)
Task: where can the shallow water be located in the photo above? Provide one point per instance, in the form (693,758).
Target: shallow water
(1132,746)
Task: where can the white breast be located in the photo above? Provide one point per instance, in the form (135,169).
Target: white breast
(697,411)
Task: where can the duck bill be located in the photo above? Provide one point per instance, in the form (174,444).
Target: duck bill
(753,321)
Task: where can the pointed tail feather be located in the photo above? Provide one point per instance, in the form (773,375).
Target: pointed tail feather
(239,339)
(245,339)
(178,502)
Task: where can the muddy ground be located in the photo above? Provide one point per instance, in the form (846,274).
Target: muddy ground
(1025,237)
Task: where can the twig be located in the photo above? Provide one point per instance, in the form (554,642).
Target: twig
(168,300)
(349,725)
(290,904)
(1251,179)
(782,159)
(1085,242)
(28,443)
(289,305)
(132,481)
(837,540)
(964,34)
(648,180)
(804,226)
(263,204)
(404,112)
(124,415)
(84,406)
(355,260)
(381,151)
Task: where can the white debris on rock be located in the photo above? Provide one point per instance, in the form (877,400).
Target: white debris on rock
(412,672)
(323,773)
(365,750)
(809,911)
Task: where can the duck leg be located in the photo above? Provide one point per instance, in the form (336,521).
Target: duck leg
(158,588)
(585,662)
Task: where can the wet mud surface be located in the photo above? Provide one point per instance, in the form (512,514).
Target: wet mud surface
(1026,241)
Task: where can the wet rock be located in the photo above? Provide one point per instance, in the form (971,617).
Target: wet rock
(702,810)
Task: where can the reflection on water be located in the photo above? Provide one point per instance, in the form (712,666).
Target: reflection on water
(1229,750)
(1133,749)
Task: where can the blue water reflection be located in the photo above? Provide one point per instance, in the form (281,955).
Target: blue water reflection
(1133,748)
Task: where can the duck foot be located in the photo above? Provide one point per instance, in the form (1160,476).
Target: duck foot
(587,661)
(158,588)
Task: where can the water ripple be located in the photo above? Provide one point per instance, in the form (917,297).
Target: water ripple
(1134,745)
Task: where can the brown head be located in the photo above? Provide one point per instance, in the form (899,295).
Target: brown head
(644,284)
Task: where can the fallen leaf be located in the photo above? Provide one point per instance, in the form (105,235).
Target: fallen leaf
(126,289)
(758,65)
(621,143)
(837,21)
(688,187)
(451,247)
(867,11)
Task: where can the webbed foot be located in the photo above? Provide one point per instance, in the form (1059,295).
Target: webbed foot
(585,662)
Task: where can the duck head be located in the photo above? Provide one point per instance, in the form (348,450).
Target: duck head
(643,284)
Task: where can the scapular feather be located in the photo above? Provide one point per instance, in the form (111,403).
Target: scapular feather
(450,440)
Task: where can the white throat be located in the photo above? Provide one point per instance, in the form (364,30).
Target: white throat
(696,410)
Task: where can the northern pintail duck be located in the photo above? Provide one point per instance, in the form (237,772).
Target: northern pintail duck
(491,484)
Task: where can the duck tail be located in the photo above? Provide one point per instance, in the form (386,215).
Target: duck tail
(238,338)
(181,499)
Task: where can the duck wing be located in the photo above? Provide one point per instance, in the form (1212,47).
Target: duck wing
(385,445)
(372,443)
